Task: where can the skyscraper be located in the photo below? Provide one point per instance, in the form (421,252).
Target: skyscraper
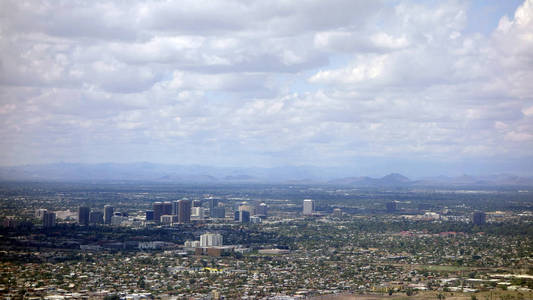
(218,212)
(96,217)
(161,208)
(244,216)
(478,218)
(49,219)
(308,207)
(149,215)
(246,207)
(83,215)
(184,211)
(175,208)
(167,208)
(262,210)
(213,204)
(108,213)
(157,207)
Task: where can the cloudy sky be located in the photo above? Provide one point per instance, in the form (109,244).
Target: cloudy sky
(419,87)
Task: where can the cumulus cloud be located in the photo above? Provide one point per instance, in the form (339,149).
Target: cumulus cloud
(262,83)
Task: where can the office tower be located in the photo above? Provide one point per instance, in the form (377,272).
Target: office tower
(210,240)
(96,217)
(149,215)
(218,212)
(175,208)
(261,210)
(237,216)
(308,207)
(213,202)
(213,205)
(167,208)
(161,208)
(184,211)
(478,218)
(108,213)
(49,219)
(197,203)
(246,207)
(83,215)
(157,207)
(391,207)
(243,216)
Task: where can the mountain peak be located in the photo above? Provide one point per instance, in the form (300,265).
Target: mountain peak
(395,177)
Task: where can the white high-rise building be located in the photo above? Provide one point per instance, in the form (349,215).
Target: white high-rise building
(197,212)
(210,240)
(308,207)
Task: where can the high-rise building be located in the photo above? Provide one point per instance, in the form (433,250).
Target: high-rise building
(96,217)
(308,207)
(167,208)
(83,215)
(197,212)
(197,203)
(218,212)
(210,240)
(391,207)
(244,216)
(161,208)
(213,203)
(184,211)
(149,215)
(246,207)
(157,207)
(49,219)
(175,208)
(261,210)
(108,213)
(478,218)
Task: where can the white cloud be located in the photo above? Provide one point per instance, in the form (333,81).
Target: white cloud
(255,82)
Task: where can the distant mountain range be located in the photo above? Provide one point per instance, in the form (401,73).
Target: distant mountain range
(393,179)
(205,174)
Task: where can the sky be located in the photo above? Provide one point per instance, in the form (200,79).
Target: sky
(416,87)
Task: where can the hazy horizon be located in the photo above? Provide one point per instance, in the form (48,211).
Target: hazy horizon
(369,87)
